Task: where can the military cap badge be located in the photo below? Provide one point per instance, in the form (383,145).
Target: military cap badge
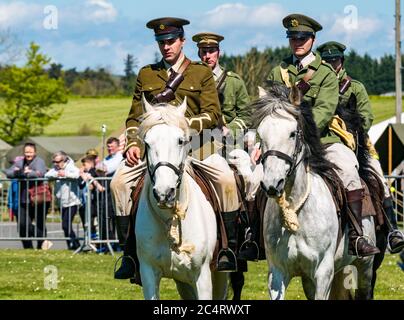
(162,26)
(294,22)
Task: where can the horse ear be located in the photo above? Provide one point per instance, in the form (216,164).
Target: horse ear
(183,107)
(147,107)
(295,96)
(262,92)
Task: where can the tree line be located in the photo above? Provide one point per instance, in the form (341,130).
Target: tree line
(377,75)
(28,94)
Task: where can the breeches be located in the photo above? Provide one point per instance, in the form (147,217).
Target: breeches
(124,179)
(347,164)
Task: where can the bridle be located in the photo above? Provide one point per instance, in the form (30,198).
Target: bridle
(292,160)
(179,171)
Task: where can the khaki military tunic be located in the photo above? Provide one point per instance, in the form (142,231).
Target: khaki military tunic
(198,86)
(362,99)
(235,100)
(323,97)
(323,93)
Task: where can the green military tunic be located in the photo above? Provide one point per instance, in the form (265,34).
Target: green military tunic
(203,110)
(235,102)
(322,95)
(362,99)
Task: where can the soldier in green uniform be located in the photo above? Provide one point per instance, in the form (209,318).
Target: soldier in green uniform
(233,95)
(318,84)
(169,81)
(333,53)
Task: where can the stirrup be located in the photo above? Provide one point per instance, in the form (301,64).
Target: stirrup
(224,252)
(356,244)
(391,234)
(248,242)
(121,258)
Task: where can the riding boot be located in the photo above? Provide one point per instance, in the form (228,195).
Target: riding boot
(249,249)
(395,236)
(357,243)
(122,223)
(227,261)
(129,268)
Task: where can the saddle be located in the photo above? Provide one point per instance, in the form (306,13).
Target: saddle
(196,173)
(371,206)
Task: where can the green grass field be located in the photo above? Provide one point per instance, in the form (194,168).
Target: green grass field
(89,277)
(93,112)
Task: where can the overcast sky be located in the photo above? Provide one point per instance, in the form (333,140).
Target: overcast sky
(102,32)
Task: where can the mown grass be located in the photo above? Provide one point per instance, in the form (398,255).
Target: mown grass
(89,277)
(88,114)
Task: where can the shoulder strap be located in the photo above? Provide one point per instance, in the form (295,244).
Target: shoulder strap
(172,84)
(345,84)
(221,79)
(309,74)
(184,65)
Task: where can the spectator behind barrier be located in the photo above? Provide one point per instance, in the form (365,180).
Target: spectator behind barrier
(108,166)
(30,166)
(87,174)
(67,193)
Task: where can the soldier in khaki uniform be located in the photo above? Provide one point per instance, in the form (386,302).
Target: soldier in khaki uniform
(233,95)
(333,53)
(169,80)
(318,84)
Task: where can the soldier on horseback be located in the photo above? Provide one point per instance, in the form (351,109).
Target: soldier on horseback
(333,53)
(318,85)
(171,80)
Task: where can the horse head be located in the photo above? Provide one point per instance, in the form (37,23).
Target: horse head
(165,132)
(277,124)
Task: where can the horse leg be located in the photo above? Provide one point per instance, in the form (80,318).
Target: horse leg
(309,288)
(365,275)
(237,283)
(150,281)
(204,283)
(381,242)
(220,282)
(277,283)
(339,291)
(323,277)
(186,290)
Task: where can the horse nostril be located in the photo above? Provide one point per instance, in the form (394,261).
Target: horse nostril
(280,185)
(170,194)
(156,195)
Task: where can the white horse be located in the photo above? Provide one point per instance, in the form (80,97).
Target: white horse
(300,221)
(175,224)
(252,174)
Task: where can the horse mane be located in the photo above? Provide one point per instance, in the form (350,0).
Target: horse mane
(162,113)
(277,99)
(354,123)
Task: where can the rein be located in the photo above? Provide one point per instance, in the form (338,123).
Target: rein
(288,211)
(291,160)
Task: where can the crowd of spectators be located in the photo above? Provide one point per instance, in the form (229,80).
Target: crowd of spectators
(73,188)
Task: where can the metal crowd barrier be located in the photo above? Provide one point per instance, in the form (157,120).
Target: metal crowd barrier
(396,183)
(94,221)
(92,226)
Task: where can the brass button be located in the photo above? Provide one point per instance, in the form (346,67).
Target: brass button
(192,88)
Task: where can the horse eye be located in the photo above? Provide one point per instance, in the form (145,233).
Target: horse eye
(293,134)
